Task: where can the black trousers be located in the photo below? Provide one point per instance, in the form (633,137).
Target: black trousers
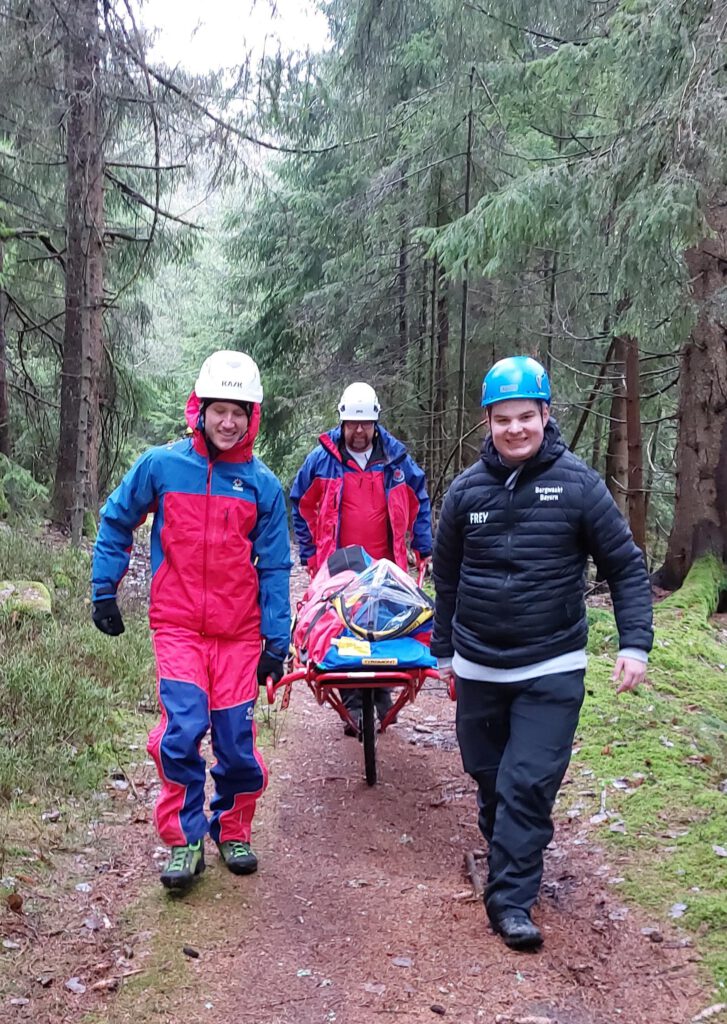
(353,699)
(516,741)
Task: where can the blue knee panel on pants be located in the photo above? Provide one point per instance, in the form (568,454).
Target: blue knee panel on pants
(237,770)
(187,711)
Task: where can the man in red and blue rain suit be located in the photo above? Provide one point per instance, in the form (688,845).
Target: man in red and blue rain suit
(219,609)
(361,487)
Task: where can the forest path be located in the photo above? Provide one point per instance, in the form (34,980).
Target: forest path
(361,908)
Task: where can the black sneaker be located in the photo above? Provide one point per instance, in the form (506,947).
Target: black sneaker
(184,864)
(238,856)
(517,930)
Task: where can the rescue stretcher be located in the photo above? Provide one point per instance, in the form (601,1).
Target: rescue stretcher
(395,654)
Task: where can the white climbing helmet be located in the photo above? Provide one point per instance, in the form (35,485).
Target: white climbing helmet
(229,377)
(359,402)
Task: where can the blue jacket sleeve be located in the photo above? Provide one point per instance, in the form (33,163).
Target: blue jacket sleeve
(621,562)
(303,504)
(125,509)
(421,529)
(271,555)
(446,565)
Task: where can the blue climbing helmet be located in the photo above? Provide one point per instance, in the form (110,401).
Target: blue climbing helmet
(516,377)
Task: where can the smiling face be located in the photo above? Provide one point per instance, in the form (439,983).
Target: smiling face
(517,427)
(358,434)
(225,423)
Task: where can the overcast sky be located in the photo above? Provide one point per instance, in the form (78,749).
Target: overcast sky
(218,33)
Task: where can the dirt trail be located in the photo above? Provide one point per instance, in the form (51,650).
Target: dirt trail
(361,909)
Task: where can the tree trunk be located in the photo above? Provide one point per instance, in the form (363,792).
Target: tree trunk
(403,283)
(462,374)
(636,495)
(442,395)
(617,460)
(95,313)
(597,445)
(77,463)
(592,398)
(419,346)
(5,445)
(700,513)
(431,455)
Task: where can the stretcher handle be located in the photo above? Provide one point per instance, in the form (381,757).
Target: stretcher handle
(271,687)
(422,570)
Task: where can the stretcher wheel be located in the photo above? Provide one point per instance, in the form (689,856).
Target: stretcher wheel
(368,735)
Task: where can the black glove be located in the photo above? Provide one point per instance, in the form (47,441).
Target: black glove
(107,617)
(269,665)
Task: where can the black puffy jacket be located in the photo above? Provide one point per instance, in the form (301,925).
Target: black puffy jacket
(510,557)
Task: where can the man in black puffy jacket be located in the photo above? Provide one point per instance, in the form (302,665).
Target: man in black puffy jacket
(509,567)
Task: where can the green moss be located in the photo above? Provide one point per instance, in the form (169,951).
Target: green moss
(668,745)
(90,526)
(25,598)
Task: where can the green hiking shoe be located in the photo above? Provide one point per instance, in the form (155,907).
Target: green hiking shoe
(184,864)
(238,857)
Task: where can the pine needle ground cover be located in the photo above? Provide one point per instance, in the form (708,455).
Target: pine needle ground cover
(656,762)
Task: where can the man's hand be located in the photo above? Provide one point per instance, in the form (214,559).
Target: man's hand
(633,672)
(269,665)
(107,617)
(445,670)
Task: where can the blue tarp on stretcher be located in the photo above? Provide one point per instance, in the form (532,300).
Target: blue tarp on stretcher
(349,654)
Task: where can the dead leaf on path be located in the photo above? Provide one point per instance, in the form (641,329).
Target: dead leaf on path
(677,910)
(720,851)
(15,902)
(76,986)
(401,961)
(374,989)
(45,980)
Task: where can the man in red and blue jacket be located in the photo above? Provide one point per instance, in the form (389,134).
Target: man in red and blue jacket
(361,487)
(219,609)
